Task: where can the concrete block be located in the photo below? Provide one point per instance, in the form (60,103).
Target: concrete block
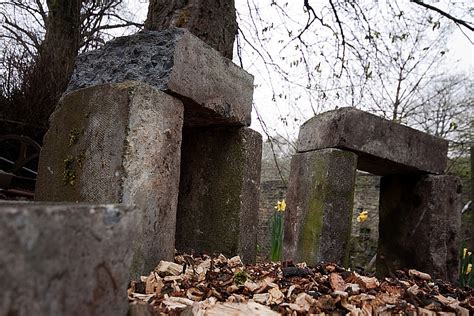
(383,147)
(65,259)
(319,206)
(118,143)
(419,225)
(219,191)
(213,89)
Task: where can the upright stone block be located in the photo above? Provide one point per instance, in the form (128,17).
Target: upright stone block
(118,143)
(383,147)
(65,259)
(213,89)
(419,225)
(319,206)
(219,191)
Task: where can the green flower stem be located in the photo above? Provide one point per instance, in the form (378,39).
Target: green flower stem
(277,237)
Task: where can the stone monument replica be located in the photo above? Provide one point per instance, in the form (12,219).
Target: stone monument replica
(159,120)
(419,211)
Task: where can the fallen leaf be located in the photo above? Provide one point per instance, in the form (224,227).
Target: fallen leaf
(251,286)
(418,274)
(277,296)
(153,284)
(234,262)
(165,268)
(261,298)
(337,282)
(235,309)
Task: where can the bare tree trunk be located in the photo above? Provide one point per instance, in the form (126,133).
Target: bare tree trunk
(213,21)
(54,64)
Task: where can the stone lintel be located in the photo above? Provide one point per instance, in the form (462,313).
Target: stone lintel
(65,259)
(213,89)
(383,147)
(419,225)
(319,206)
(219,191)
(118,143)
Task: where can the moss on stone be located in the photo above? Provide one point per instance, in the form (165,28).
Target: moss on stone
(69,174)
(241,277)
(71,166)
(74,136)
(324,191)
(212,163)
(312,227)
(80,159)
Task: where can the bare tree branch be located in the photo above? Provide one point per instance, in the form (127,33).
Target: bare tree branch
(445,14)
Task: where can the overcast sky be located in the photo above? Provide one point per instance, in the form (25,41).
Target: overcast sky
(275,114)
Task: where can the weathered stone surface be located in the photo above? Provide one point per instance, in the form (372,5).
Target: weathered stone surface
(383,147)
(118,143)
(419,225)
(365,234)
(219,190)
(140,310)
(319,206)
(213,89)
(65,259)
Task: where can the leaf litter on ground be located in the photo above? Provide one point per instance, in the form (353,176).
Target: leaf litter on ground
(218,285)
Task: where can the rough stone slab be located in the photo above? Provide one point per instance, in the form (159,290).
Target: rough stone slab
(118,143)
(65,259)
(319,206)
(383,147)
(219,191)
(213,89)
(419,225)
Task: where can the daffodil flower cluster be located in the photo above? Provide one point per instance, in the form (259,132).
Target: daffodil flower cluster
(466,275)
(277,231)
(281,206)
(363,216)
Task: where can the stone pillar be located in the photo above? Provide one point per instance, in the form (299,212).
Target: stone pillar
(219,191)
(319,206)
(118,143)
(65,259)
(419,225)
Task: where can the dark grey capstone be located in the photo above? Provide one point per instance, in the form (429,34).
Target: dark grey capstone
(146,56)
(419,225)
(213,89)
(383,147)
(65,259)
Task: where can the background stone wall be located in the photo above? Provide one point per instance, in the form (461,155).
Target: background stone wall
(270,192)
(365,234)
(366,197)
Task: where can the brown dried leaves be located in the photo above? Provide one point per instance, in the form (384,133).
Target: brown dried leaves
(221,286)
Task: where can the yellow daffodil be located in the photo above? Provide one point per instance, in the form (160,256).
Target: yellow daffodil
(469,268)
(464,252)
(281,206)
(363,216)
